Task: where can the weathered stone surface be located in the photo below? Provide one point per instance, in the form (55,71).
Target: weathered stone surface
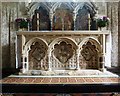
(119,34)
(113,27)
(0,37)
(8,33)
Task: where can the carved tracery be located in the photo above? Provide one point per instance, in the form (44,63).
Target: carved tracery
(37,54)
(90,54)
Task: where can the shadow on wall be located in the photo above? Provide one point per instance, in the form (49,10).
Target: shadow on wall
(5,56)
(8,55)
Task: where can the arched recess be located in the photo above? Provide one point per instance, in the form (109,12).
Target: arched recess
(67,39)
(35,5)
(40,19)
(63,52)
(83,10)
(63,16)
(36,50)
(90,51)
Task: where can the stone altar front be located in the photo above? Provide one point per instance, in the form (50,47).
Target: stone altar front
(60,50)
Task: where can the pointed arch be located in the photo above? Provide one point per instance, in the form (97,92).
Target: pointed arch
(35,5)
(63,17)
(33,40)
(90,51)
(41,15)
(67,39)
(58,5)
(93,40)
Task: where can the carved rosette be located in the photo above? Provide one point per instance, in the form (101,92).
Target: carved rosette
(63,51)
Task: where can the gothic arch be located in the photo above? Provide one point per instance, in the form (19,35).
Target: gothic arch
(90,51)
(58,4)
(63,16)
(33,40)
(40,18)
(36,49)
(67,39)
(93,41)
(33,6)
(63,49)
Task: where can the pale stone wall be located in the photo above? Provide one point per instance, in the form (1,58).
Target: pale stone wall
(9,14)
(0,37)
(119,34)
(112,11)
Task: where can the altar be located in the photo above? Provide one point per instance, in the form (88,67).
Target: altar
(48,51)
(62,38)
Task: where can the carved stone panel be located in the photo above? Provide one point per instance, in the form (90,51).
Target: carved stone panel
(63,51)
(36,54)
(90,55)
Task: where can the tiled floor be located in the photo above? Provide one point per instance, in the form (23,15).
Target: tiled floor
(59,80)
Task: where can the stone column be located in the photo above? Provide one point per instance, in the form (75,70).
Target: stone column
(74,18)
(51,19)
(101,62)
(27,64)
(23,64)
(49,60)
(16,51)
(77,55)
(89,21)
(38,22)
(102,55)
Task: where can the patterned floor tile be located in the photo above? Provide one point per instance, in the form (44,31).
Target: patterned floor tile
(63,80)
(55,80)
(80,80)
(72,80)
(89,80)
(115,79)
(38,80)
(46,80)
(29,80)
(58,80)
(106,80)
(97,80)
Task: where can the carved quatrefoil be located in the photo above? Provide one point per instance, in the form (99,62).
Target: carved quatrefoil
(38,51)
(89,51)
(63,51)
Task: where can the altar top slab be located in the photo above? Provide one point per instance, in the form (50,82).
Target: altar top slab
(61,32)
